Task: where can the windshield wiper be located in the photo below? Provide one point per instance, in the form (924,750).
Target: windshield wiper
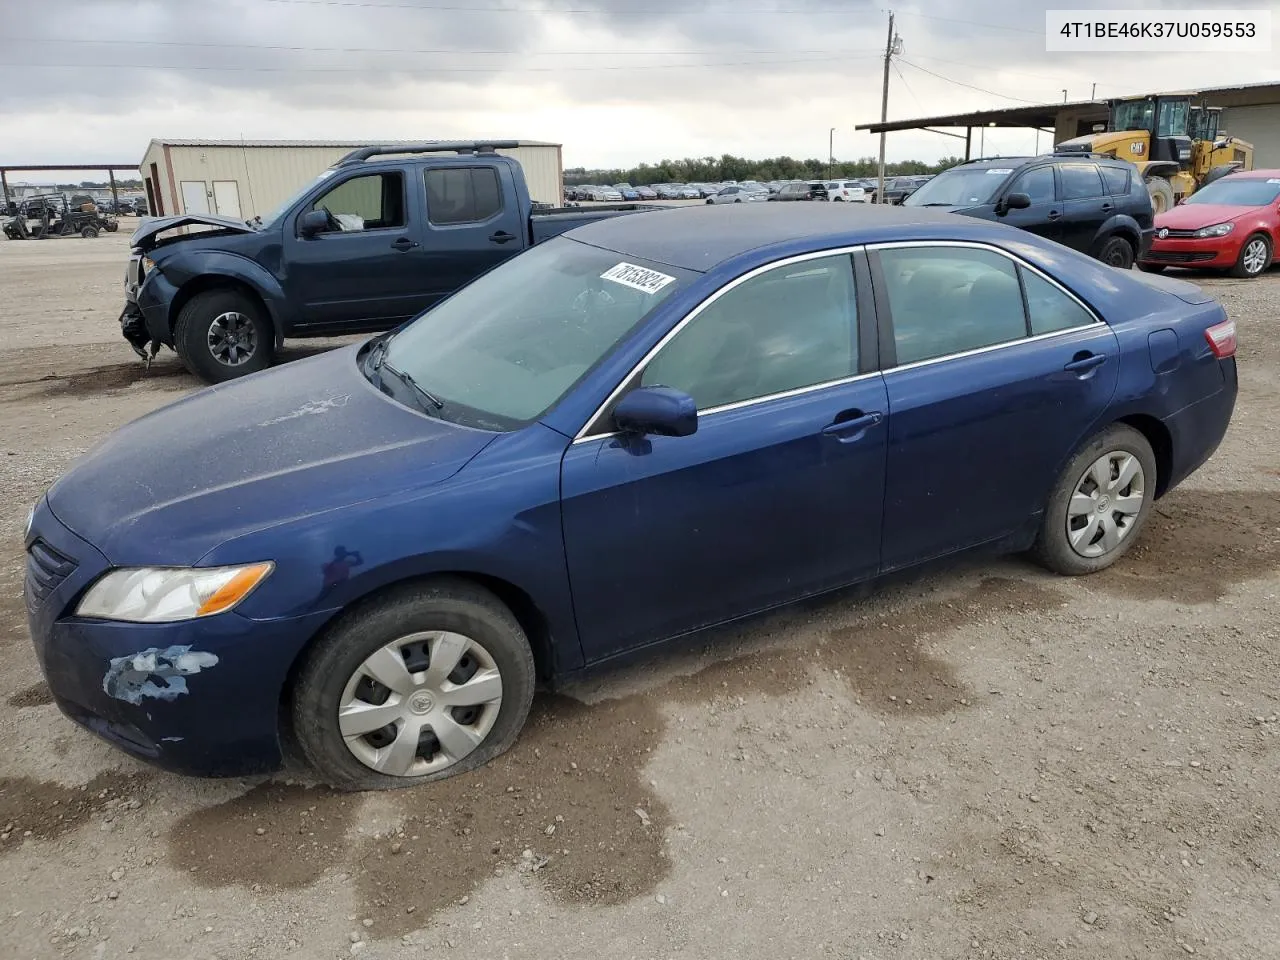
(379,363)
(934,204)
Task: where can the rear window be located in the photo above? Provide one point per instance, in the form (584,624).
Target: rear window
(1116,180)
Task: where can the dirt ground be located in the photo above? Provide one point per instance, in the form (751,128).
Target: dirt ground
(982,762)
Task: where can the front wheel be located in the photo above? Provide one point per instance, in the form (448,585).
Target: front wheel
(427,682)
(223,334)
(89,232)
(1255,257)
(1099,504)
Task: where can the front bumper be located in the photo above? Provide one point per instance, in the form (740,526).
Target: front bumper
(222,719)
(145,317)
(1190,252)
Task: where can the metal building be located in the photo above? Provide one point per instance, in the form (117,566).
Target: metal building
(249,178)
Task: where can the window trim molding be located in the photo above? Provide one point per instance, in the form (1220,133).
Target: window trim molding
(584,435)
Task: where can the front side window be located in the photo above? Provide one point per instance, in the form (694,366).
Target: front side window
(1036,184)
(463,195)
(946,300)
(371,202)
(508,346)
(790,327)
(1080,181)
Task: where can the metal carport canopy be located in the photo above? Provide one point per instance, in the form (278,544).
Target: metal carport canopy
(1043,115)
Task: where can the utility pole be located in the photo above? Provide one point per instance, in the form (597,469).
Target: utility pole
(892,45)
(1064,94)
(1093,94)
(831,152)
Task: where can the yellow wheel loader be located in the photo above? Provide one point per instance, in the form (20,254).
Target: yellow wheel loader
(1176,145)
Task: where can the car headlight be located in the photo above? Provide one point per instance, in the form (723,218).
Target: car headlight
(166,594)
(1217,230)
(148,265)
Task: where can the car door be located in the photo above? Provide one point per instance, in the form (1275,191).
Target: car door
(472,224)
(1085,204)
(1044,216)
(358,273)
(777,495)
(986,400)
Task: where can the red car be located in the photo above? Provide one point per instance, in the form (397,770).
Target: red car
(1232,224)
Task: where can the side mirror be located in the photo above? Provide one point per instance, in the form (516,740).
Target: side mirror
(313,222)
(1016,201)
(657,410)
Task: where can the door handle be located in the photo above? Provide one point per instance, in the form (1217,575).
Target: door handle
(852,428)
(1085,362)
(1053,215)
(1106,208)
(502,237)
(403,244)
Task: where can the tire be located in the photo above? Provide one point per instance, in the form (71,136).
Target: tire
(1161,192)
(1117,252)
(838,200)
(1053,547)
(1152,267)
(216,356)
(332,670)
(89,232)
(1255,257)
(113,226)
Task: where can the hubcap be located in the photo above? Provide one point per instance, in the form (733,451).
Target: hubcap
(233,340)
(1255,256)
(420,704)
(1106,504)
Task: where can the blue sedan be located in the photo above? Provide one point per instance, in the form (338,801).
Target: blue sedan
(650,425)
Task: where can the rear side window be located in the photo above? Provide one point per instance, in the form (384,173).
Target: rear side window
(1048,307)
(1080,181)
(462,195)
(1037,184)
(1116,180)
(946,300)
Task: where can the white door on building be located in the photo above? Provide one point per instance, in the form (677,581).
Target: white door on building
(226,198)
(195,199)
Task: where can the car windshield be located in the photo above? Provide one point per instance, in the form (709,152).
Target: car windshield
(960,188)
(1238,193)
(279,211)
(506,348)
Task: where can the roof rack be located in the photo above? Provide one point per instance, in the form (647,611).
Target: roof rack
(427,146)
(1019,156)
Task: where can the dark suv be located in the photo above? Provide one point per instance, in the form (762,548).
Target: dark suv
(1095,204)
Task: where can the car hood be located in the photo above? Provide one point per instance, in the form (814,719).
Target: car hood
(306,438)
(1193,216)
(145,235)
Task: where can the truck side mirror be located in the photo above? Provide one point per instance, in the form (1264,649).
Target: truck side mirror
(1014,201)
(312,222)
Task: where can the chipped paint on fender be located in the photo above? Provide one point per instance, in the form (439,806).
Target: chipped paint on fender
(155,672)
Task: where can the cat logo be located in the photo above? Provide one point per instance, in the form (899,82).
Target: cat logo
(1138,148)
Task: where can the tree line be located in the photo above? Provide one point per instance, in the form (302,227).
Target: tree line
(728,167)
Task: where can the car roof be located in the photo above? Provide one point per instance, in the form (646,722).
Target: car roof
(1255,175)
(700,238)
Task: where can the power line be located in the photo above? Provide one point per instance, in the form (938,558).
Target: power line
(960,83)
(440,50)
(976,66)
(967,23)
(471,8)
(436,70)
(907,86)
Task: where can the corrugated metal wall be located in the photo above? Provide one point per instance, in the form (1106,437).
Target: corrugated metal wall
(268,176)
(1259,126)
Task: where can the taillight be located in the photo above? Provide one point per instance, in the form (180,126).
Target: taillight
(1222,339)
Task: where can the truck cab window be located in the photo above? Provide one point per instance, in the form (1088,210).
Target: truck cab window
(372,202)
(462,195)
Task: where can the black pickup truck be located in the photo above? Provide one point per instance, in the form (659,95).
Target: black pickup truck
(380,236)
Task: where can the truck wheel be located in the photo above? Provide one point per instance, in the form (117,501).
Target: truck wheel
(422,683)
(223,334)
(1255,257)
(1161,192)
(1117,252)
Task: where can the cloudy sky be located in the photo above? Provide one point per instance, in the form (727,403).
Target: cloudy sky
(615,81)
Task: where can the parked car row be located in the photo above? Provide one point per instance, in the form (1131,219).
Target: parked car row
(848,190)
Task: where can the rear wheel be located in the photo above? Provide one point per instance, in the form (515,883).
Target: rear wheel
(1255,257)
(223,334)
(424,683)
(89,232)
(1161,195)
(1117,252)
(1099,504)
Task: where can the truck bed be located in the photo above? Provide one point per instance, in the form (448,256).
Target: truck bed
(548,222)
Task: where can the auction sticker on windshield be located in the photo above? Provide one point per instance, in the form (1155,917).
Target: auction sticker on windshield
(637,278)
(1000,170)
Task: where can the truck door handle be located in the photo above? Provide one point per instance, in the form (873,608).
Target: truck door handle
(1106,208)
(853,427)
(502,237)
(1084,362)
(1053,215)
(403,244)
